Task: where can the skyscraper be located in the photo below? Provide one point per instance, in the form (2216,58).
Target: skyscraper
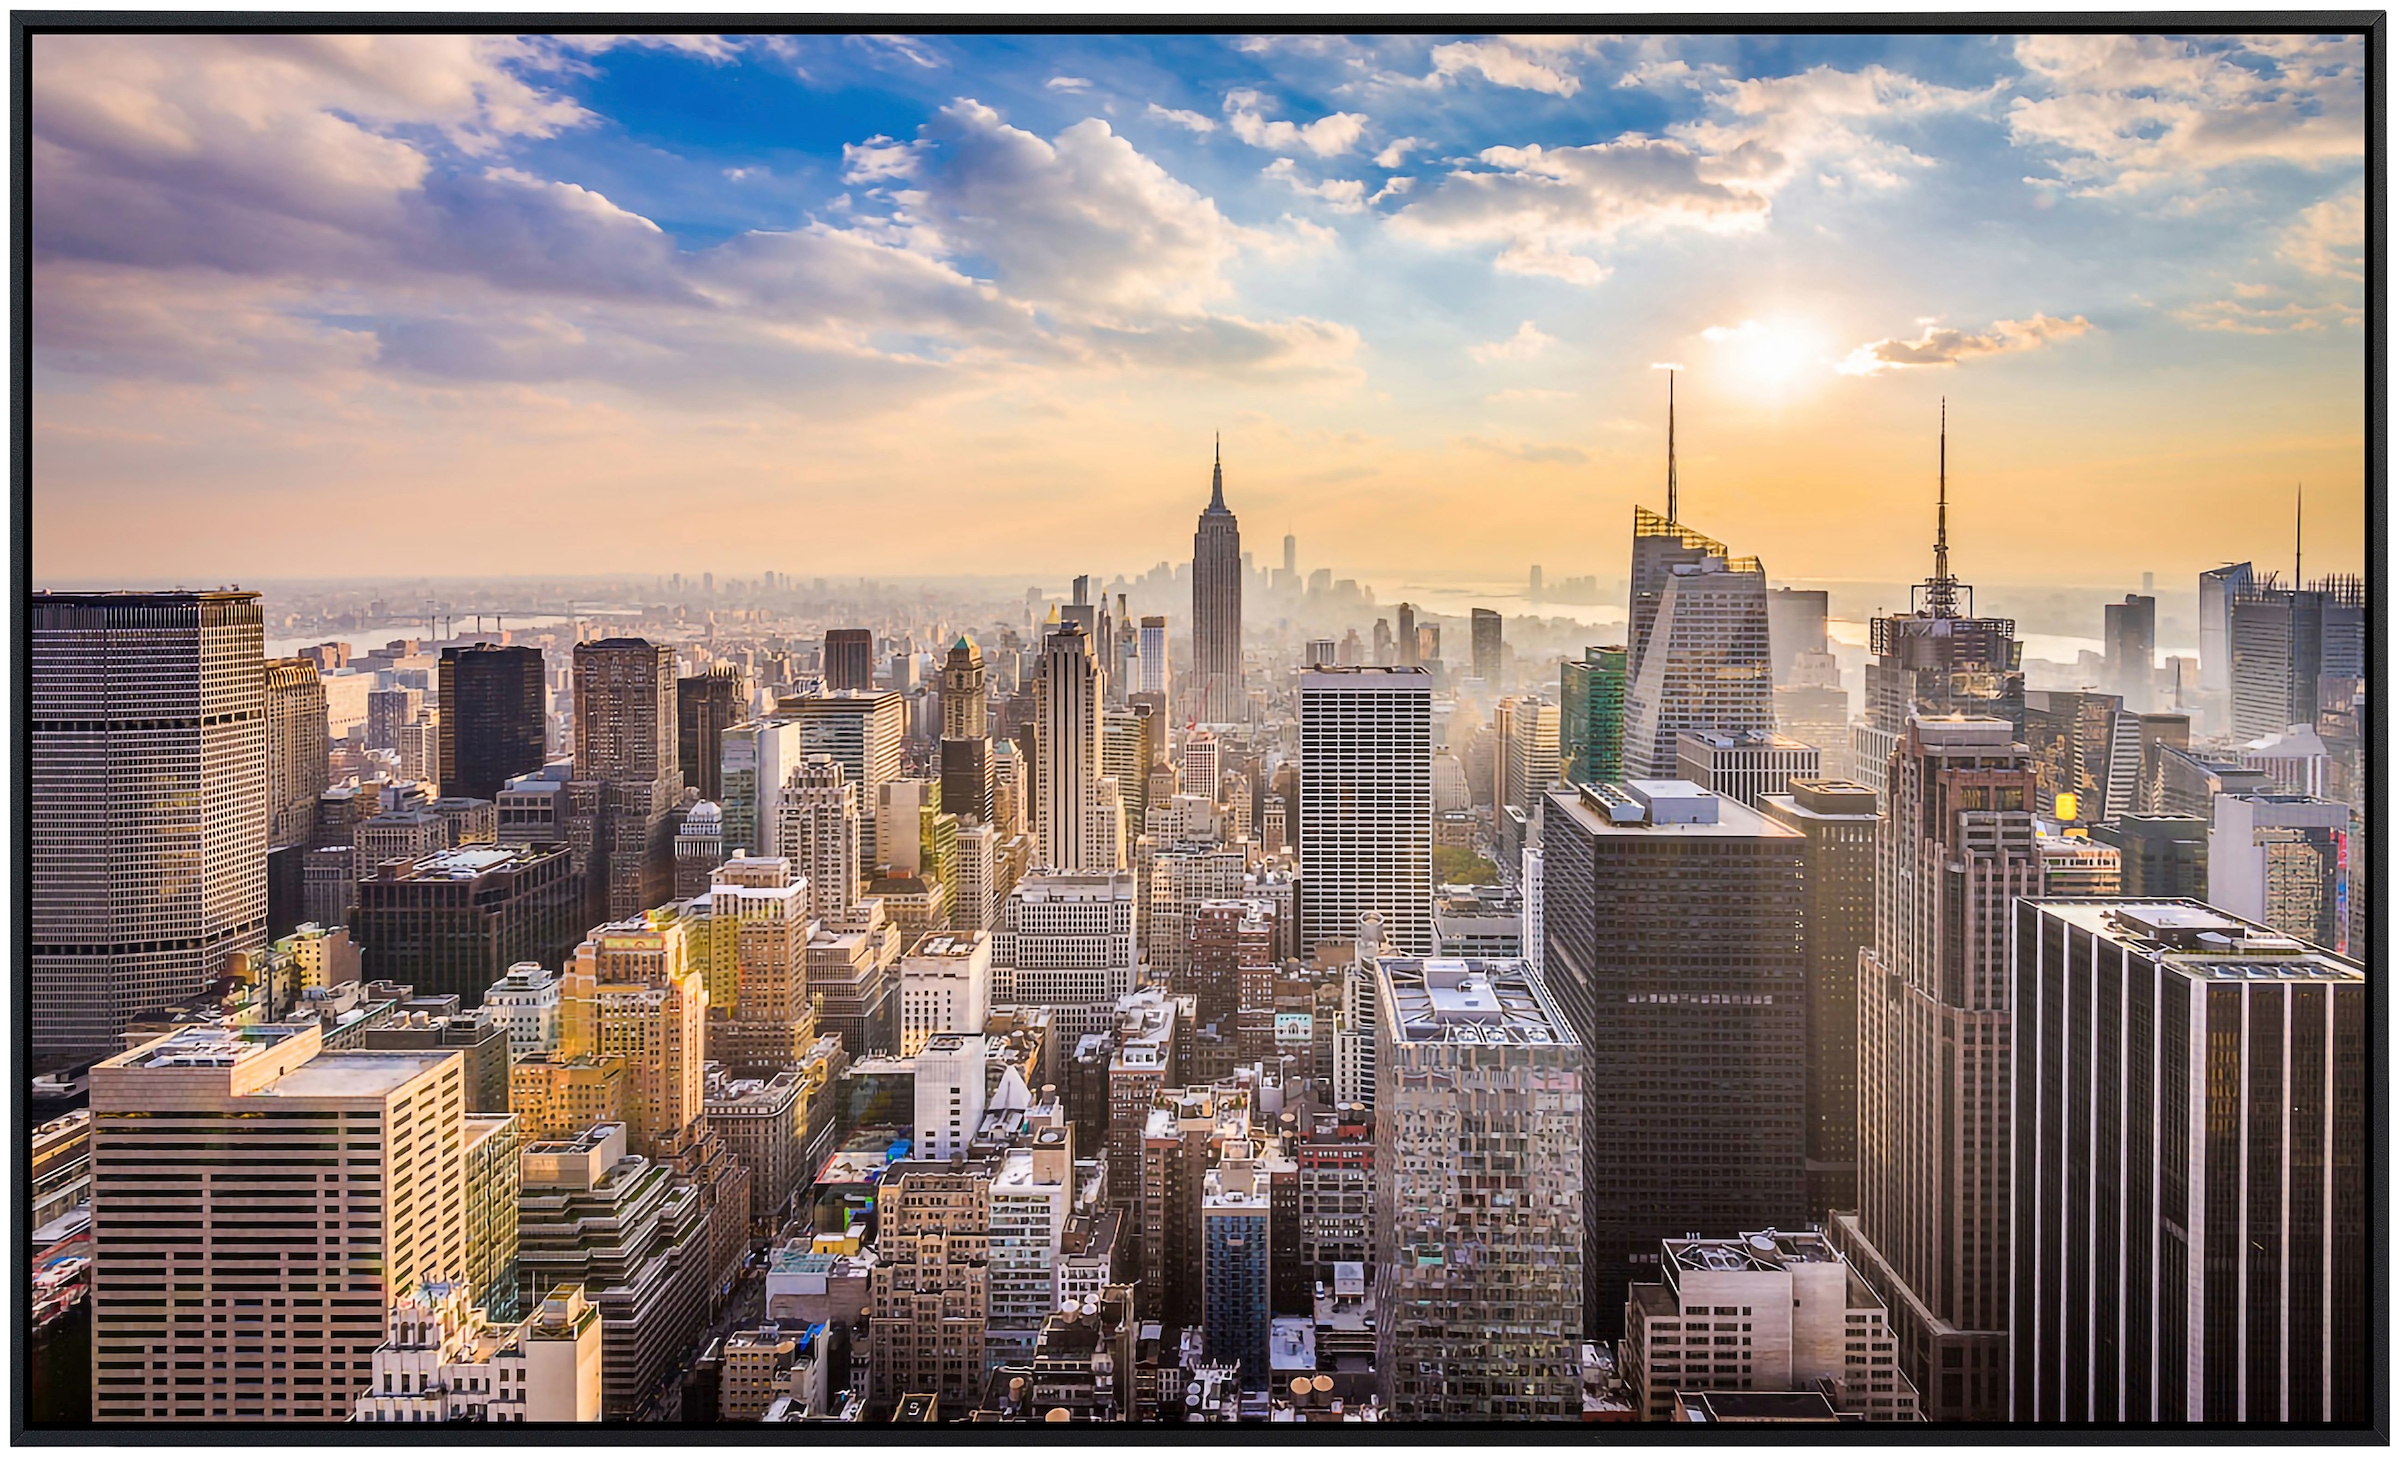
(1931,1231)
(1156,671)
(1703,662)
(2219,587)
(1366,817)
(1217,684)
(452,923)
(757,757)
(1935,661)
(861,731)
(625,745)
(491,728)
(966,734)
(2285,641)
(1485,639)
(296,764)
(1478,1194)
(705,706)
(1672,928)
(816,830)
(2129,646)
(849,659)
(2282,860)
(1591,716)
(148,837)
(1839,824)
(1067,738)
(2190,1170)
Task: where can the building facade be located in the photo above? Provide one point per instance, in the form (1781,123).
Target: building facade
(1366,810)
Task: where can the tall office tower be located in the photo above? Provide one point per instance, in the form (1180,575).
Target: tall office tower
(200,1200)
(945,986)
(625,742)
(1198,769)
(491,727)
(1673,926)
(1219,694)
(817,831)
(849,659)
(2285,641)
(631,992)
(2190,1185)
(965,714)
(1839,825)
(1386,653)
(651,1269)
(861,732)
(1745,766)
(452,922)
(297,772)
(977,905)
(1591,716)
(770,1026)
(1366,818)
(1479,1117)
(1066,942)
(1156,671)
(1128,747)
(1931,1230)
(2283,860)
(1807,1323)
(2161,857)
(1067,739)
(1237,1260)
(1935,661)
(1704,663)
(706,706)
(2129,648)
(1484,634)
(1795,629)
(2219,588)
(759,755)
(1533,756)
(1012,790)
(1124,657)
(1104,843)
(929,1305)
(388,711)
(1404,636)
(2086,744)
(148,765)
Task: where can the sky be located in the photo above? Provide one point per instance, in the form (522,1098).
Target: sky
(914,305)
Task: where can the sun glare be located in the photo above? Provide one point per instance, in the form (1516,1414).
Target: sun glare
(1774,357)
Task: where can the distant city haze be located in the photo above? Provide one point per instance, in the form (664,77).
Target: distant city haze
(843,306)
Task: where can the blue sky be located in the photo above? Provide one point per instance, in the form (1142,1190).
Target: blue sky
(935,303)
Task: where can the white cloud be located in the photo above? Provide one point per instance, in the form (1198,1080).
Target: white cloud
(1759,134)
(1190,120)
(1543,205)
(744,174)
(898,47)
(1343,194)
(2132,114)
(1327,136)
(1068,83)
(1526,343)
(2329,239)
(1524,62)
(877,159)
(1396,153)
(1938,347)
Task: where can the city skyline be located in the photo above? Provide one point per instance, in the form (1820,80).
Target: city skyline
(552,280)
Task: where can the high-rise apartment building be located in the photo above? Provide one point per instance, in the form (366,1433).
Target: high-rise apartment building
(861,731)
(1219,693)
(817,829)
(1839,824)
(930,1302)
(1802,1318)
(453,922)
(849,660)
(1931,1232)
(1703,658)
(1066,759)
(297,770)
(2189,1176)
(625,748)
(492,718)
(1478,1204)
(706,706)
(1366,815)
(1672,921)
(1591,716)
(214,1236)
(1237,1261)
(147,841)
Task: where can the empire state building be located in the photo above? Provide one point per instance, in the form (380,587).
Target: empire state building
(1217,610)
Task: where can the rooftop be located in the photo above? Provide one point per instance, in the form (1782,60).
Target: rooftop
(469,861)
(1470,1000)
(354,1074)
(2202,941)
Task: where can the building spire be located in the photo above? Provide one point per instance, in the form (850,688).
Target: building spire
(1671,518)
(1216,492)
(1941,592)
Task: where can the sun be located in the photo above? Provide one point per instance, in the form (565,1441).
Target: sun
(1774,357)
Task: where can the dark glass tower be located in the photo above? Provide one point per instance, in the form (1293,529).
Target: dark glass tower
(705,707)
(491,718)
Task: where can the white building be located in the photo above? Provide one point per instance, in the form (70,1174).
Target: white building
(526,1003)
(1366,806)
(1706,665)
(442,1361)
(951,1082)
(945,986)
(756,760)
(1066,942)
(1032,1193)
